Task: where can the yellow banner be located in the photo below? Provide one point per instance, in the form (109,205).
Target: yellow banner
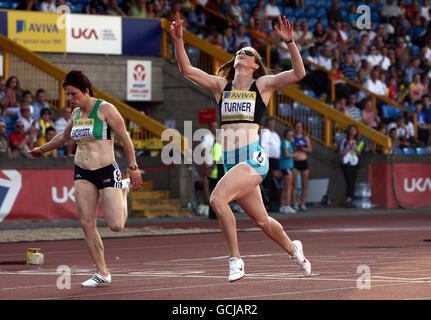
(37,31)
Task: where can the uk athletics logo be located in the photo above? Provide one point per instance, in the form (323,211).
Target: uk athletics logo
(10,185)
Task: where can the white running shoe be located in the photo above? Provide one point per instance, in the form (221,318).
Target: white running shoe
(97,281)
(289,209)
(125,184)
(296,207)
(283,209)
(303,207)
(300,258)
(236,269)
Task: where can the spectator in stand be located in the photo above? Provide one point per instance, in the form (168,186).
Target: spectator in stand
(61,122)
(424,63)
(340,105)
(257,42)
(271,12)
(254,16)
(325,59)
(341,87)
(39,104)
(5,151)
(320,35)
(237,13)
(44,122)
(374,58)
(374,85)
(186,6)
(2,89)
(261,11)
(412,9)
(423,129)
(20,142)
(94,7)
(390,9)
(151,10)
(360,54)
(224,7)
(352,16)
(413,69)
(163,7)
(392,88)
(385,63)
(425,10)
(402,52)
(49,135)
(364,71)
(305,37)
(138,9)
(401,131)
(426,103)
(229,40)
(352,109)
(114,9)
(370,116)
(48,6)
(27,119)
(333,42)
(27,5)
(241,37)
(349,71)
(417,89)
(10,100)
(394,140)
(197,21)
(334,14)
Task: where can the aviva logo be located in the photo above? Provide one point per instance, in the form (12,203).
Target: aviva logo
(237,94)
(21,26)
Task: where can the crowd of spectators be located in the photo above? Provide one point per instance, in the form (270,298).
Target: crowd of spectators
(27,121)
(390,55)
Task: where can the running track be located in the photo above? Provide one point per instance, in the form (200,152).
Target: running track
(195,266)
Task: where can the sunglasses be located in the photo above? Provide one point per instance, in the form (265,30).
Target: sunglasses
(19,126)
(247,52)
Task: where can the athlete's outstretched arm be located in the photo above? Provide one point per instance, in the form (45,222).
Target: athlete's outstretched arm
(200,77)
(286,78)
(57,142)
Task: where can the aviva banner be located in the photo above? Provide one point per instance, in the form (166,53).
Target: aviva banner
(37,31)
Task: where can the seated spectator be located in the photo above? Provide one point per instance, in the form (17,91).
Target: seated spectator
(374,58)
(360,54)
(325,59)
(10,100)
(392,88)
(61,123)
(138,9)
(26,118)
(197,21)
(305,37)
(2,88)
(241,37)
(332,42)
(237,13)
(271,12)
(114,9)
(402,53)
(49,135)
(369,116)
(5,151)
(258,43)
(320,34)
(352,16)
(352,108)
(39,104)
(94,7)
(423,129)
(390,9)
(20,142)
(162,7)
(229,40)
(413,69)
(340,85)
(394,140)
(44,122)
(334,14)
(401,131)
(417,89)
(426,103)
(27,5)
(340,105)
(48,6)
(373,84)
(151,10)
(425,10)
(349,71)
(364,71)
(186,6)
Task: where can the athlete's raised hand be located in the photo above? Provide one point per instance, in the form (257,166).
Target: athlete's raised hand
(286,29)
(176,29)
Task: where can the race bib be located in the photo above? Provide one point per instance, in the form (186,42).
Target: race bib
(82,131)
(238,105)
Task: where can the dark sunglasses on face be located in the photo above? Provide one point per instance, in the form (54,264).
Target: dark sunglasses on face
(19,126)
(247,52)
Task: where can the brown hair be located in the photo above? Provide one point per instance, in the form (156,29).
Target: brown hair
(356,136)
(78,79)
(227,70)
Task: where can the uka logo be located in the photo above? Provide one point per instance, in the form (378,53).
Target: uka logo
(10,185)
(419,184)
(65,195)
(84,33)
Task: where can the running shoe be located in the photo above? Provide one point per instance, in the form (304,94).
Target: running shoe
(236,269)
(283,209)
(97,281)
(300,258)
(302,207)
(296,207)
(289,209)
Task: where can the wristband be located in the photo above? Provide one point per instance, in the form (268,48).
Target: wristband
(289,41)
(135,171)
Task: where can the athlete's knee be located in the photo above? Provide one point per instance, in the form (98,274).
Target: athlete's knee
(217,202)
(262,223)
(116,226)
(88,226)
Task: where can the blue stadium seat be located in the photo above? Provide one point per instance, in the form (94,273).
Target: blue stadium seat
(14,5)
(288,12)
(325,23)
(299,13)
(409,151)
(397,151)
(310,93)
(421,151)
(311,12)
(312,23)
(389,112)
(77,8)
(321,13)
(320,4)
(4,5)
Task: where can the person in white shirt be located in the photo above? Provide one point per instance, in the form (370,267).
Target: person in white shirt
(271,12)
(325,59)
(61,122)
(374,85)
(390,9)
(374,58)
(271,143)
(48,6)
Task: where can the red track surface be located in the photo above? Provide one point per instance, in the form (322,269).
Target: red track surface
(195,266)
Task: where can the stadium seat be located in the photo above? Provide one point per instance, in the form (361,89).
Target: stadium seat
(321,13)
(397,151)
(299,13)
(310,93)
(409,151)
(421,151)
(389,112)
(4,5)
(312,23)
(320,4)
(311,12)
(288,12)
